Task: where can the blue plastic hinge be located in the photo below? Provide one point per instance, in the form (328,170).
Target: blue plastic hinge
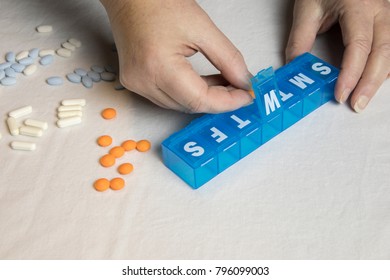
(212,143)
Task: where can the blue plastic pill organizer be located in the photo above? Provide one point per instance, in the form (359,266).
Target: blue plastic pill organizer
(212,143)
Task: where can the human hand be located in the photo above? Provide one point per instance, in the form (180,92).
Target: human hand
(154,38)
(365,27)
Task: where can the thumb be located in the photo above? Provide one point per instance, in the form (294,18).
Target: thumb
(304,29)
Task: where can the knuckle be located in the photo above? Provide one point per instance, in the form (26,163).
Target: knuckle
(383,50)
(362,43)
(195,105)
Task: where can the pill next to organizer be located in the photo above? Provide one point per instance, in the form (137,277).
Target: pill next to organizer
(44,28)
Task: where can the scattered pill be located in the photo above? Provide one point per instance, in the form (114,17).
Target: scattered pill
(143,145)
(97,69)
(21,55)
(119,86)
(54,81)
(1,136)
(107,160)
(33,53)
(23,146)
(129,145)
(9,72)
(5,65)
(46,59)
(43,53)
(67,114)
(64,108)
(2,74)
(94,76)
(75,42)
(74,78)
(8,81)
(30,131)
(125,168)
(81,72)
(44,28)
(13,126)
(10,57)
(117,184)
(109,68)
(117,151)
(104,140)
(75,101)
(20,112)
(29,70)
(69,46)
(64,52)
(66,122)
(108,77)
(108,113)
(18,67)
(36,123)
(26,61)
(101,184)
(87,81)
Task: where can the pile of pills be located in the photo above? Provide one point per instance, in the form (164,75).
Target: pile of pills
(115,153)
(70,112)
(94,75)
(28,127)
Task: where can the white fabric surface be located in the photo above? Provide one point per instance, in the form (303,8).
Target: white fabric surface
(320,190)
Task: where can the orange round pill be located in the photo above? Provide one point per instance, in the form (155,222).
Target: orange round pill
(117,151)
(109,113)
(104,140)
(117,184)
(125,168)
(101,184)
(107,160)
(129,145)
(143,145)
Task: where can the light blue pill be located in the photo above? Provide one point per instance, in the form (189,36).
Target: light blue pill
(5,65)
(8,81)
(74,78)
(33,53)
(108,77)
(26,61)
(97,68)
(81,72)
(9,72)
(119,87)
(10,57)
(94,76)
(87,81)
(18,67)
(2,74)
(54,81)
(46,60)
(110,69)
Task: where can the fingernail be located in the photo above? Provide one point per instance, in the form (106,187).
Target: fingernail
(344,95)
(361,104)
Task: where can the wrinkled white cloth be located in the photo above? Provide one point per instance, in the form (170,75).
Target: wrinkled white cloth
(320,190)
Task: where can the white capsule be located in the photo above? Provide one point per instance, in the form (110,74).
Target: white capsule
(13,126)
(21,112)
(43,53)
(68,46)
(67,114)
(36,123)
(1,136)
(64,52)
(23,146)
(65,122)
(44,28)
(69,108)
(21,55)
(75,101)
(75,42)
(30,131)
(29,70)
